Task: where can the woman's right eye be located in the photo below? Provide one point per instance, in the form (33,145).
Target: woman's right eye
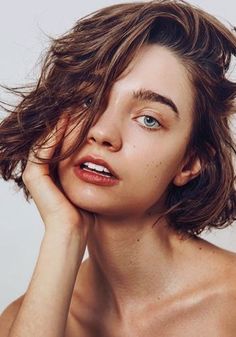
(87,102)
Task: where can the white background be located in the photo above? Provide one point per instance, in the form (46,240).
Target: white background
(24,25)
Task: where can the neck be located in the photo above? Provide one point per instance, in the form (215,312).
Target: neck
(131,261)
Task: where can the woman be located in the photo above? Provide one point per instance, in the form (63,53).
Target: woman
(125,146)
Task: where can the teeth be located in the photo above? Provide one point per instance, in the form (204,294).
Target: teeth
(99,168)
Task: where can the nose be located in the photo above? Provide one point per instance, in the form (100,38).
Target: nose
(106,132)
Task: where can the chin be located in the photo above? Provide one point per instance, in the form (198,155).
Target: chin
(102,206)
(90,203)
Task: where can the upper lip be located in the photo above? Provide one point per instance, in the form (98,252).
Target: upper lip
(97,160)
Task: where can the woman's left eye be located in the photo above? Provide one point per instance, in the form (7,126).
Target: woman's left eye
(150,122)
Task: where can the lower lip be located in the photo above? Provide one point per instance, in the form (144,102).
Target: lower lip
(94,178)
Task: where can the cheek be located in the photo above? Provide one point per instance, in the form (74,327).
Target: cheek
(157,175)
(61,169)
(153,179)
(69,139)
(160,166)
(72,135)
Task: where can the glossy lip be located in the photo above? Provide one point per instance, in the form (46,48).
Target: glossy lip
(95,178)
(98,161)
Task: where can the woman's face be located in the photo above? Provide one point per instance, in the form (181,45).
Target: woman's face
(142,137)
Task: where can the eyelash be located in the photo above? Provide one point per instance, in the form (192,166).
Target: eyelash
(150,128)
(87,104)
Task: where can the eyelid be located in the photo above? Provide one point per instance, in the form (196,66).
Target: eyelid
(150,128)
(152,113)
(159,113)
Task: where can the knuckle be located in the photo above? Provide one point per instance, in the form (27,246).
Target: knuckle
(28,174)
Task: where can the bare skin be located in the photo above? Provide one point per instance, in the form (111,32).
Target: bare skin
(208,309)
(205,306)
(45,306)
(139,279)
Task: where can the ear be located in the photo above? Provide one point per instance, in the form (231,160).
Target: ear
(188,171)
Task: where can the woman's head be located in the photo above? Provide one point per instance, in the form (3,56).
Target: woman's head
(87,61)
(142,135)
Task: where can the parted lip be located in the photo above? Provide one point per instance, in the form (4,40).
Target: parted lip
(96,160)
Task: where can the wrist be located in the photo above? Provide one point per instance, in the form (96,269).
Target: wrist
(65,232)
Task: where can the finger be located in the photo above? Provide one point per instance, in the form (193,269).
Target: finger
(50,201)
(46,195)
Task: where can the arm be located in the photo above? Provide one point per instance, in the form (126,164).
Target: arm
(44,309)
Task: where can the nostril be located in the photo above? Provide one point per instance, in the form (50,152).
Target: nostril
(107,143)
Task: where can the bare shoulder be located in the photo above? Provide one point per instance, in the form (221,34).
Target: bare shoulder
(220,261)
(8,316)
(226,297)
(229,271)
(211,306)
(227,265)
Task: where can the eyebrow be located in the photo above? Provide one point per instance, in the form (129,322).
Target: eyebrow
(152,96)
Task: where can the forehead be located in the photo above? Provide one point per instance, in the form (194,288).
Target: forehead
(158,69)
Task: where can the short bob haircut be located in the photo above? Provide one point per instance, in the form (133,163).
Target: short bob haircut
(82,65)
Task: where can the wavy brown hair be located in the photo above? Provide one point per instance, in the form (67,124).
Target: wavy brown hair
(86,61)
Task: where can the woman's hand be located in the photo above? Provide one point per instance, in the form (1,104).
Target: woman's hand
(45,308)
(57,212)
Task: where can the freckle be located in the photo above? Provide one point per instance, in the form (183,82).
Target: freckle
(138,239)
(200,248)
